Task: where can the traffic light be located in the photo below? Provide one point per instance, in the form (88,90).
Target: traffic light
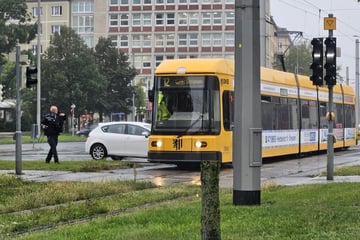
(30,80)
(317,63)
(330,61)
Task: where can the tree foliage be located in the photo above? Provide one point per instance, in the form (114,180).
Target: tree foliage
(14,25)
(114,66)
(70,74)
(298,57)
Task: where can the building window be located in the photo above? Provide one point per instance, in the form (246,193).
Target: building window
(55,29)
(206,18)
(159,40)
(183,1)
(170,2)
(56,11)
(170,18)
(136,41)
(206,39)
(193,18)
(147,2)
(124,41)
(35,11)
(83,6)
(230,18)
(124,20)
(83,24)
(217,39)
(170,40)
(193,1)
(182,40)
(147,40)
(146,61)
(136,19)
(136,2)
(114,21)
(114,41)
(229,39)
(114,2)
(34,49)
(147,19)
(158,60)
(217,18)
(89,41)
(182,18)
(159,1)
(159,19)
(193,39)
(124,2)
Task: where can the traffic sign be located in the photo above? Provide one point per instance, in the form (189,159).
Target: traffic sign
(330,23)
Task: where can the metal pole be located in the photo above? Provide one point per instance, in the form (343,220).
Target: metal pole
(357,82)
(38,52)
(247,125)
(18,113)
(330,136)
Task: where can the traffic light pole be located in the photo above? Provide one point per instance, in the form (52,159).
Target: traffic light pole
(330,136)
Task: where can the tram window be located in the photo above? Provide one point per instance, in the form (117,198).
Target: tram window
(267,110)
(349,116)
(339,116)
(322,112)
(228,109)
(293,107)
(267,115)
(309,114)
(283,115)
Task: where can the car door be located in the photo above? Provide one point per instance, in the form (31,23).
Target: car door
(116,139)
(136,141)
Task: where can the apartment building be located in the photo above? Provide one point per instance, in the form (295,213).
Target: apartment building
(150,31)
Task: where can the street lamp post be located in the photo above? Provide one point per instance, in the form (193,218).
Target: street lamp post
(73,106)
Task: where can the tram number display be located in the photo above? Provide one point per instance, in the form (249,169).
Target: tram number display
(182,82)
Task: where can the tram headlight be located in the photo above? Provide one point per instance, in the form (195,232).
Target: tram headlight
(156,143)
(200,144)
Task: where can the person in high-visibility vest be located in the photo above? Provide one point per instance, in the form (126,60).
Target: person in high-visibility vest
(163,111)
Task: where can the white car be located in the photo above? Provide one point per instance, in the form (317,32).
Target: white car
(118,140)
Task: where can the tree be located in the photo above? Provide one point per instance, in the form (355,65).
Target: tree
(70,74)
(298,57)
(114,66)
(14,25)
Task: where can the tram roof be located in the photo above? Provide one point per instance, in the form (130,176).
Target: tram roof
(196,66)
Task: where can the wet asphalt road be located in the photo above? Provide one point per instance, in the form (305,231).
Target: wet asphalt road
(284,172)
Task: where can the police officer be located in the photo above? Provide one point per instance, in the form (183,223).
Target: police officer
(52,124)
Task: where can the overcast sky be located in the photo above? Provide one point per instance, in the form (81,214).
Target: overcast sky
(307,16)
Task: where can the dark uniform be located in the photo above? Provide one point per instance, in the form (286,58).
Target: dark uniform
(52,124)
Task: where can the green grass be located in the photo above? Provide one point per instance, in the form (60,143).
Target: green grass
(26,138)
(319,211)
(73,165)
(140,210)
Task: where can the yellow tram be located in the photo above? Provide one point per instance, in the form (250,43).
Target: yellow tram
(193,112)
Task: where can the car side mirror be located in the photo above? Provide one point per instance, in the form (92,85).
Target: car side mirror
(145,134)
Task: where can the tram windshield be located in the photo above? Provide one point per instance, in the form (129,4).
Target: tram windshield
(186,105)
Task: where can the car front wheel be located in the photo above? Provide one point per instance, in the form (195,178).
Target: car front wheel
(98,151)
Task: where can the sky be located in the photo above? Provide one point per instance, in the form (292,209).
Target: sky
(307,16)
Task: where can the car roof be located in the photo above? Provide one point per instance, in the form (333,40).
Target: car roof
(142,124)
